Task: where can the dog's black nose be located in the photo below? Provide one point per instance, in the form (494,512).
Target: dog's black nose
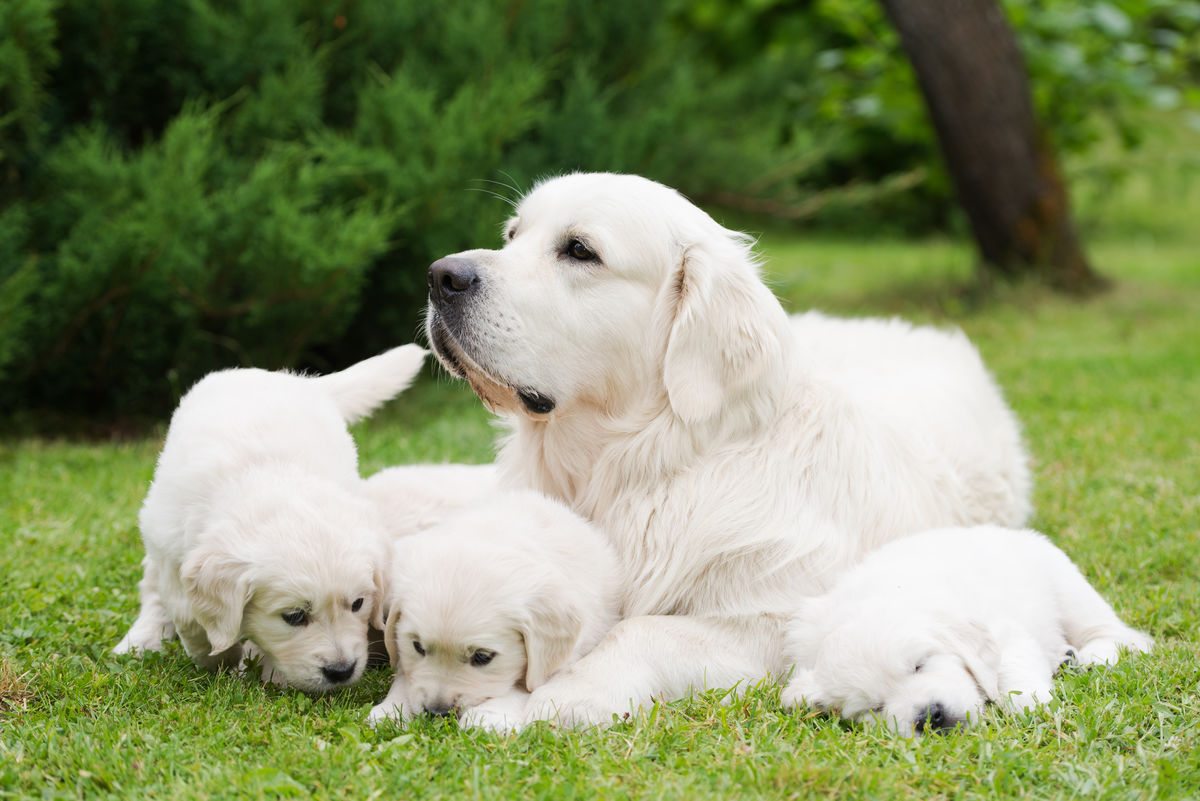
(935,717)
(339,672)
(439,710)
(451,278)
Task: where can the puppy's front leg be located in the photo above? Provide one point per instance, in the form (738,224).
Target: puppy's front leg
(395,706)
(659,658)
(153,625)
(1025,675)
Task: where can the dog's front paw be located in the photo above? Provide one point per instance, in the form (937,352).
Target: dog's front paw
(504,714)
(388,710)
(579,710)
(144,638)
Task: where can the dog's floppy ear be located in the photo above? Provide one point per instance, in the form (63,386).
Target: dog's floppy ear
(550,627)
(218,586)
(723,331)
(380,576)
(389,634)
(974,643)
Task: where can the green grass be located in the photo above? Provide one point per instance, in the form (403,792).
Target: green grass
(1109,392)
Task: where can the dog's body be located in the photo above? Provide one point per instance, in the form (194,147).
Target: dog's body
(737,459)
(929,628)
(412,498)
(255,528)
(489,603)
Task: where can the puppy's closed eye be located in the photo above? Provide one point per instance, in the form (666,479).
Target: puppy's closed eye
(481,657)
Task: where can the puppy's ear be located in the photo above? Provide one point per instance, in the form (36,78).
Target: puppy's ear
(974,643)
(218,586)
(389,634)
(381,574)
(550,627)
(723,328)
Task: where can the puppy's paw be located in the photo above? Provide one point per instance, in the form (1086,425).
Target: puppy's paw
(388,710)
(504,714)
(572,711)
(1107,650)
(801,691)
(144,638)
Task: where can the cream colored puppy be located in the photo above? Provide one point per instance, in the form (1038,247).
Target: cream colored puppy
(489,604)
(927,630)
(255,528)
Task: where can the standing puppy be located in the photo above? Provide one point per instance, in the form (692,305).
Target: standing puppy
(927,630)
(255,528)
(486,606)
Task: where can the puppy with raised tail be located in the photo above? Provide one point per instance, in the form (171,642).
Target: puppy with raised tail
(928,629)
(255,527)
(487,605)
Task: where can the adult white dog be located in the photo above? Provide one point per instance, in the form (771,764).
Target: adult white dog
(255,528)
(928,629)
(737,459)
(488,604)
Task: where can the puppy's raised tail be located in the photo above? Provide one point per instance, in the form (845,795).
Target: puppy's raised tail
(361,387)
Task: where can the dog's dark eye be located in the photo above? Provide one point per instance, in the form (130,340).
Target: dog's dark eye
(417,647)
(481,658)
(579,251)
(296,617)
(354,607)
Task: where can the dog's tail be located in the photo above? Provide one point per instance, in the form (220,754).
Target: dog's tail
(361,387)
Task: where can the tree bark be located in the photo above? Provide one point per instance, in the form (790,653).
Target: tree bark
(976,89)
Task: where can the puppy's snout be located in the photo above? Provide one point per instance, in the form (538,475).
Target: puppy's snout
(935,717)
(439,709)
(450,278)
(339,672)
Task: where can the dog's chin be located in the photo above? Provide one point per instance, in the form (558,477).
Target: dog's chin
(496,394)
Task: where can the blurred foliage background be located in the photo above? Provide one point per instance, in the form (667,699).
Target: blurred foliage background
(194,184)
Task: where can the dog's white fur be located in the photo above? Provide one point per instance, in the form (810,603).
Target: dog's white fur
(256,511)
(928,629)
(737,459)
(412,498)
(518,578)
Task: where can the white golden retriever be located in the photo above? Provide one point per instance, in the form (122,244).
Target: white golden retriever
(255,528)
(930,628)
(738,460)
(488,604)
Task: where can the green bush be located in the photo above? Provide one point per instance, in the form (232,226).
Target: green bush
(193,184)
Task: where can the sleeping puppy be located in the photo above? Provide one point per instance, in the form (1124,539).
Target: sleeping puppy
(489,604)
(255,527)
(927,630)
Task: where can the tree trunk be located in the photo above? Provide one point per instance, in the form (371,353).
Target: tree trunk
(976,89)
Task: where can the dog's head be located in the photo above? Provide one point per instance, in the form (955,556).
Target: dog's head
(913,674)
(469,620)
(607,286)
(297,568)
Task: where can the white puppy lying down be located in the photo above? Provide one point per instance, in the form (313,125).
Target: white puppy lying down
(928,629)
(490,603)
(255,528)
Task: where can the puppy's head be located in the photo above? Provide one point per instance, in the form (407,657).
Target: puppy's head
(608,286)
(470,620)
(296,567)
(913,674)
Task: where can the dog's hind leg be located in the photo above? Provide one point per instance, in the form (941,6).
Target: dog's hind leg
(153,625)
(1091,626)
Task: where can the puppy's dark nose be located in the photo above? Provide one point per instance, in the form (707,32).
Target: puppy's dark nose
(935,717)
(450,278)
(439,710)
(339,672)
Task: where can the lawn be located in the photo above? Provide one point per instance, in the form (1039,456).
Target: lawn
(1109,392)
